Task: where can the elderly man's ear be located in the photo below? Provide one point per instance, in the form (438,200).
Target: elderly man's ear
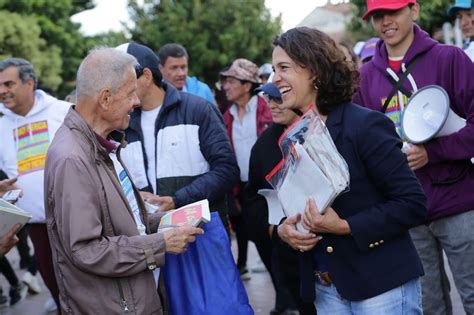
(105,96)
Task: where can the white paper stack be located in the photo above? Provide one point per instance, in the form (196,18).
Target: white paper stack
(275,210)
(312,167)
(11,215)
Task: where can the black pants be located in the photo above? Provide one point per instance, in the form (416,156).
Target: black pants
(24,251)
(238,226)
(287,273)
(7,270)
(283,266)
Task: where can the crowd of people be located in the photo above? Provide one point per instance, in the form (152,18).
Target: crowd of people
(139,137)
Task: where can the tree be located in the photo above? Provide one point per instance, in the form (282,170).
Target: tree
(20,37)
(57,36)
(108,39)
(214,32)
(433,15)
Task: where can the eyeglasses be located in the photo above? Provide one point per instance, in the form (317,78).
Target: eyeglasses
(139,70)
(269,98)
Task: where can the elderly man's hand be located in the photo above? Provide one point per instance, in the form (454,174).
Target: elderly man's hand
(178,238)
(417,156)
(301,241)
(9,240)
(329,222)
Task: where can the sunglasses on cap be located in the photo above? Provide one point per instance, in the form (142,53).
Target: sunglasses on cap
(269,98)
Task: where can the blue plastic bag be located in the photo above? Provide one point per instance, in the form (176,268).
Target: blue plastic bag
(204,280)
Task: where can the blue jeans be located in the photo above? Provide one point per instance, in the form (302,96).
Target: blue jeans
(454,236)
(403,300)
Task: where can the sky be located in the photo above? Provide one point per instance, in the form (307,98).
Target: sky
(109,14)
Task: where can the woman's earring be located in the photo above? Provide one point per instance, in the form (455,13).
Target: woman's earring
(315,86)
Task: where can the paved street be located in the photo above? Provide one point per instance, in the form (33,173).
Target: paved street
(259,289)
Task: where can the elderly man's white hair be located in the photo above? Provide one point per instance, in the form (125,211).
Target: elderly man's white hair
(102,68)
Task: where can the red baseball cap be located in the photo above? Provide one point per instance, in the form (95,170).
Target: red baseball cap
(373,5)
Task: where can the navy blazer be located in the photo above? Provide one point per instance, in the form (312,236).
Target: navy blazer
(384,201)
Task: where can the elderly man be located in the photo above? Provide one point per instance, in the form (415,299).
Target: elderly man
(97,223)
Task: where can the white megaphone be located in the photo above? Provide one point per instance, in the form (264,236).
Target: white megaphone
(428,115)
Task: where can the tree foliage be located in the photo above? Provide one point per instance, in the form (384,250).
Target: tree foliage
(20,37)
(214,32)
(108,39)
(55,45)
(433,15)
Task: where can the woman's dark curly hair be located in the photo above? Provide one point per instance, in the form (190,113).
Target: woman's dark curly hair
(336,79)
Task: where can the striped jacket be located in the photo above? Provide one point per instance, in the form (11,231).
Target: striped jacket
(194,159)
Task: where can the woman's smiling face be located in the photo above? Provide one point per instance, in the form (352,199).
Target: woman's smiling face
(294,82)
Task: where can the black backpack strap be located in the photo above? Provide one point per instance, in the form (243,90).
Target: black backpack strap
(398,85)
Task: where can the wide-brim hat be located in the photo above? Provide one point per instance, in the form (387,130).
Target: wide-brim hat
(242,69)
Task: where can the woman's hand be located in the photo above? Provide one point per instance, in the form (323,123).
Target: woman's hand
(301,241)
(329,222)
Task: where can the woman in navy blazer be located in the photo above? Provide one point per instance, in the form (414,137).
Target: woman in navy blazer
(358,258)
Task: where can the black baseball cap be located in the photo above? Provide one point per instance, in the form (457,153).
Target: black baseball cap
(270,89)
(145,57)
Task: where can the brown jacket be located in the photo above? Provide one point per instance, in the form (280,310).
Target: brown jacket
(102,264)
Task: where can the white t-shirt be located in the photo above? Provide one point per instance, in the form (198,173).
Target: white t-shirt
(148,119)
(244,135)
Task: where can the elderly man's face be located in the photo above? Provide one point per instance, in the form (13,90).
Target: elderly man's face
(122,102)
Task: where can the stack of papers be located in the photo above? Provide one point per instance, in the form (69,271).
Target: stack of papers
(11,215)
(311,166)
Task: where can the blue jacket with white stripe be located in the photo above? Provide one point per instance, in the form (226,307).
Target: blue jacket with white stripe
(193,156)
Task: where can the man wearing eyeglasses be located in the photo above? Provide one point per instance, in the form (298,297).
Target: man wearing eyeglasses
(407,59)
